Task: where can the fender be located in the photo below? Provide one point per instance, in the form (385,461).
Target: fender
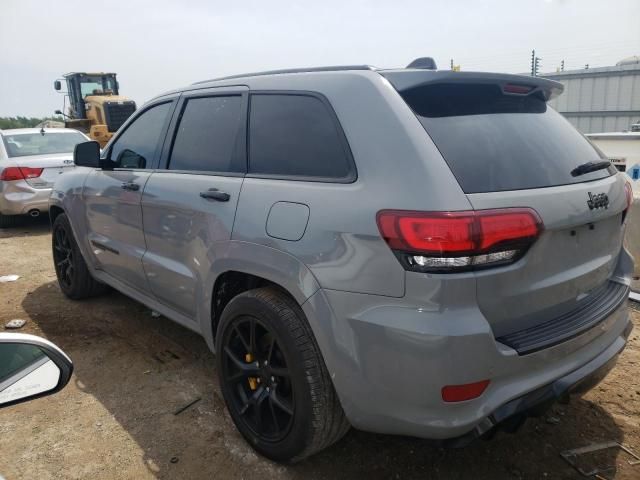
(266,262)
(67,196)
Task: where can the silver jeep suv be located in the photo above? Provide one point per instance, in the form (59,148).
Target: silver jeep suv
(408,251)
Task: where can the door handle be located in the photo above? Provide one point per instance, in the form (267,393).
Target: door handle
(134,187)
(215,194)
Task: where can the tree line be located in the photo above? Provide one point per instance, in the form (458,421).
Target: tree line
(24,122)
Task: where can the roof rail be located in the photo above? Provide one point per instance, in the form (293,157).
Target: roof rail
(337,68)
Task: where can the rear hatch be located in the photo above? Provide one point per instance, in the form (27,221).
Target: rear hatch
(507,148)
(42,156)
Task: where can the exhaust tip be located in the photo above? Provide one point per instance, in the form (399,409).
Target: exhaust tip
(34,213)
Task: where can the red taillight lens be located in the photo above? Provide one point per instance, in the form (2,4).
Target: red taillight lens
(460,393)
(11,173)
(31,172)
(437,234)
(20,173)
(436,241)
(496,228)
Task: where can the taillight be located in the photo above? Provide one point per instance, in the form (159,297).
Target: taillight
(458,241)
(11,173)
(20,173)
(31,172)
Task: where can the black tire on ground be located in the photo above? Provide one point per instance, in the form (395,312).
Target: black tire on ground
(8,221)
(73,275)
(303,412)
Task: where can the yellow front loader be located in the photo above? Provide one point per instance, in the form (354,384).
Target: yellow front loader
(95,105)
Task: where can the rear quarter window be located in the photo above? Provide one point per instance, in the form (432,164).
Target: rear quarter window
(495,142)
(297,136)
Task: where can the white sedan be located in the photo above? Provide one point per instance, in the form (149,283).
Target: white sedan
(30,160)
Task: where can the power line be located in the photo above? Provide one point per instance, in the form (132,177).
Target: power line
(563,50)
(559,53)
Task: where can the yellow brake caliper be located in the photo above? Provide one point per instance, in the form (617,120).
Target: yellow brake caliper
(253,381)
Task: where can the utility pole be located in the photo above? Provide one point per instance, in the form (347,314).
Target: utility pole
(452,64)
(533,62)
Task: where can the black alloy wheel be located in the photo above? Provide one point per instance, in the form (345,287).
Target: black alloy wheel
(273,378)
(260,385)
(63,257)
(74,277)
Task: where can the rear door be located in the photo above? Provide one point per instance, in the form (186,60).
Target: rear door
(189,205)
(112,197)
(507,148)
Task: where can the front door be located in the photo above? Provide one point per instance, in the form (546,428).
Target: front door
(189,207)
(112,197)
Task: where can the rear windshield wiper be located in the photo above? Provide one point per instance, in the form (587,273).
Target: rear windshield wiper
(590,167)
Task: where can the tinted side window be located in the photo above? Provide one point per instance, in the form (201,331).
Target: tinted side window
(296,135)
(207,135)
(137,144)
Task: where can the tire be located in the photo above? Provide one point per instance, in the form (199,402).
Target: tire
(8,221)
(73,275)
(282,338)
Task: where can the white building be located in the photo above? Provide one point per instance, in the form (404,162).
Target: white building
(603,99)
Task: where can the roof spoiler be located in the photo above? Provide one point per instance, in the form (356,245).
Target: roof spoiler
(425,63)
(403,80)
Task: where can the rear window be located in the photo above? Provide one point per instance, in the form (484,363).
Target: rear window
(297,136)
(25,144)
(494,142)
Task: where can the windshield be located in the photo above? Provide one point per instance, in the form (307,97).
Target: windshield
(494,141)
(96,85)
(38,144)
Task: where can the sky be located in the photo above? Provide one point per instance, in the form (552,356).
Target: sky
(159,45)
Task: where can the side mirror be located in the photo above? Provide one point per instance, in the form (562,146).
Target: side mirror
(30,367)
(87,154)
(57,85)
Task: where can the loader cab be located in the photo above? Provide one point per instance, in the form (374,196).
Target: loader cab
(95,105)
(81,85)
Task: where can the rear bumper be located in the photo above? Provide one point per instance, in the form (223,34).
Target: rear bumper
(533,403)
(18,197)
(389,361)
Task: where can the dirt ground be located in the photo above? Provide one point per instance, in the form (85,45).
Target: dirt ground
(116,418)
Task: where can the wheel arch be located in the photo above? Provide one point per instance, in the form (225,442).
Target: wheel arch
(54,211)
(244,266)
